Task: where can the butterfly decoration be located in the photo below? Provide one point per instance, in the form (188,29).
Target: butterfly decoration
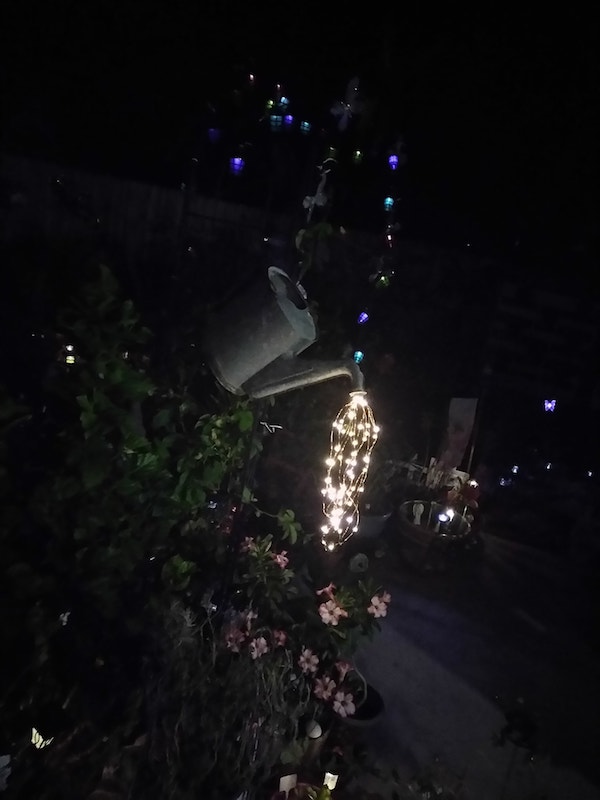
(38,741)
(348,107)
(270,428)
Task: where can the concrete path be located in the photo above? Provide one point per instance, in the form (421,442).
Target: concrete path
(452,643)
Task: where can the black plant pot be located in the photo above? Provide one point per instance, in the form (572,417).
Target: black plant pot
(368,712)
(370,531)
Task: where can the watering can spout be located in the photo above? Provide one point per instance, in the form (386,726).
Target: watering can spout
(286,374)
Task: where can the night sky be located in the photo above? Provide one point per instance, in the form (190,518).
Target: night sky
(499,110)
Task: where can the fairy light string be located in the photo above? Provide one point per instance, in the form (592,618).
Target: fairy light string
(353,436)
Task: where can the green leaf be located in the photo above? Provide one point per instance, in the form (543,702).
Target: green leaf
(145,460)
(84,402)
(245,419)
(93,473)
(213,474)
(162,419)
(247,496)
(133,442)
(88,419)
(195,496)
(177,572)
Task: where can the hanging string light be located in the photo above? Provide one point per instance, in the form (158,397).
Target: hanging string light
(353,436)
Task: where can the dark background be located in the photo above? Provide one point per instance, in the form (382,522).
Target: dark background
(498,107)
(498,110)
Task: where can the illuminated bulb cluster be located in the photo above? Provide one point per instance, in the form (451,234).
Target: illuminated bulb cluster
(69,354)
(353,436)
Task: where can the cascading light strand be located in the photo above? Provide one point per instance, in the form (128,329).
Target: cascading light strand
(353,436)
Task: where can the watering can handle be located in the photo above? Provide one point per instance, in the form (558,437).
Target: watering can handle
(283,286)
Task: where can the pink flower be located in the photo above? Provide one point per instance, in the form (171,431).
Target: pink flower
(234,638)
(248,545)
(324,688)
(308,661)
(343,704)
(386,597)
(327,591)
(330,612)
(378,607)
(281,559)
(258,647)
(343,668)
(280,638)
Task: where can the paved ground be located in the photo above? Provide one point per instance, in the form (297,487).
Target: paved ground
(521,628)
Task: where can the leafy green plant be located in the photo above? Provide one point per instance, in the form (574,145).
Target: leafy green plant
(104,519)
(134,609)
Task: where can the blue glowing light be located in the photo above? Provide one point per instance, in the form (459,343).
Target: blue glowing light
(288,119)
(362,317)
(358,356)
(305,126)
(393,162)
(236,165)
(276,121)
(284,101)
(388,203)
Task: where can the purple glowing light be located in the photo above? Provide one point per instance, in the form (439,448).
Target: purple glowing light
(288,119)
(549,405)
(236,165)
(213,135)
(393,162)
(363,317)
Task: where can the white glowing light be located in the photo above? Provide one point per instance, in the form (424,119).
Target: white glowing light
(330,780)
(347,468)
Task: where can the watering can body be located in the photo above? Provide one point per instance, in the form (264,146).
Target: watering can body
(270,321)
(252,345)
